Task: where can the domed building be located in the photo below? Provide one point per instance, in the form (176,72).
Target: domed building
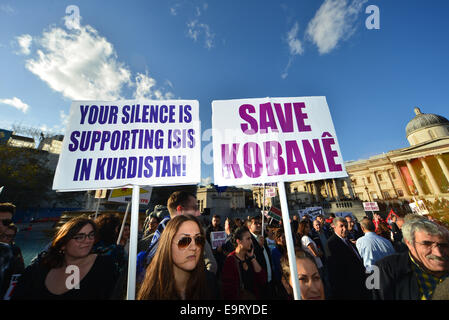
(419,171)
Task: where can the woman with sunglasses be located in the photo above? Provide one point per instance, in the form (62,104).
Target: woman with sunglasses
(177,271)
(68,270)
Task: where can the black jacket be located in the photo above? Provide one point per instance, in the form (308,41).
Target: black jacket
(258,252)
(346,271)
(397,280)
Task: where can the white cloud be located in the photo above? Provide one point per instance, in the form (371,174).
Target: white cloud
(80,64)
(293,42)
(196,29)
(144,88)
(16,103)
(24,42)
(334,21)
(6,8)
(295,47)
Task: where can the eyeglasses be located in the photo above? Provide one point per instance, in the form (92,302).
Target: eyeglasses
(6,222)
(80,237)
(431,244)
(184,242)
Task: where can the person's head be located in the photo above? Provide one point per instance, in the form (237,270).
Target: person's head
(367,225)
(238,222)
(310,284)
(295,217)
(181,203)
(229,226)
(303,228)
(350,222)
(126,231)
(376,216)
(399,219)
(180,254)
(9,234)
(332,215)
(428,243)
(74,239)
(340,226)
(108,226)
(242,239)
(255,225)
(279,237)
(320,218)
(317,225)
(216,221)
(152,224)
(7,211)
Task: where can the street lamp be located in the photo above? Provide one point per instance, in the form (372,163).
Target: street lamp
(366,189)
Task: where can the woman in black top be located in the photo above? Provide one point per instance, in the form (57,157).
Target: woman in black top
(69,270)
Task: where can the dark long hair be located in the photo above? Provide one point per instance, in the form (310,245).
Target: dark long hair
(107,225)
(54,258)
(159,282)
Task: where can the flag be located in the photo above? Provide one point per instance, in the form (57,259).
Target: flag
(275,213)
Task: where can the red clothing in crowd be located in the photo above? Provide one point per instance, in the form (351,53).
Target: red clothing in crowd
(231,280)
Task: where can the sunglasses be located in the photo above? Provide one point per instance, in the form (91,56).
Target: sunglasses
(6,222)
(184,242)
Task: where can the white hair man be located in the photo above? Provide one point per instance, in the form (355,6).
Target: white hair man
(413,275)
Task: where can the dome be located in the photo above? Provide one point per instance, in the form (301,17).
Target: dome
(424,120)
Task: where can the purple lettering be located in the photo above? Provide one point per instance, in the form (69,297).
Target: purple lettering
(83,110)
(73,136)
(313,156)
(229,161)
(285,120)
(243,112)
(294,159)
(301,116)
(248,149)
(330,154)
(273,151)
(267,111)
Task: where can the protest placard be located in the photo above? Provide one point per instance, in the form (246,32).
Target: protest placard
(123,195)
(312,212)
(370,206)
(268,140)
(217,238)
(128,143)
(274,139)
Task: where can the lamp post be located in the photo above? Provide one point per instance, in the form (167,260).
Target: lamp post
(366,189)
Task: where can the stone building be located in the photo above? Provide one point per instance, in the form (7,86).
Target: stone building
(419,171)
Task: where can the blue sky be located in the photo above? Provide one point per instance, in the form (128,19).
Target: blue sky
(236,49)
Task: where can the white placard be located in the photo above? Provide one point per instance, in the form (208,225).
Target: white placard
(370,206)
(274,139)
(111,144)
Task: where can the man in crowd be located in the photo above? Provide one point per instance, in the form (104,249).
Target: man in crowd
(11,260)
(346,270)
(371,246)
(326,227)
(415,274)
(261,250)
(353,234)
(217,252)
(320,237)
(396,226)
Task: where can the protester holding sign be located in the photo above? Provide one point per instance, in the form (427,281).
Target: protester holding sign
(177,270)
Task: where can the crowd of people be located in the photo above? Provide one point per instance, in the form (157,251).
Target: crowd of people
(337,258)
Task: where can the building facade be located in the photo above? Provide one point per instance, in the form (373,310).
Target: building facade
(417,172)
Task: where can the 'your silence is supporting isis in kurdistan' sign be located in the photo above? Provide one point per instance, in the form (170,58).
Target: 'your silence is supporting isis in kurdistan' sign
(130,142)
(274,139)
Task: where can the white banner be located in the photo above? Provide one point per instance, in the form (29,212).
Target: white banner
(274,139)
(130,142)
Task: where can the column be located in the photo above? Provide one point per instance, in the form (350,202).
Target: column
(336,190)
(392,184)
(414,178)
(444,168)
(433,182)
(377,185)
(349,185)
(317,196)
(327,190)
(401,180)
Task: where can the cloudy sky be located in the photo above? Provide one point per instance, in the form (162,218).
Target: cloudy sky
(234,49)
